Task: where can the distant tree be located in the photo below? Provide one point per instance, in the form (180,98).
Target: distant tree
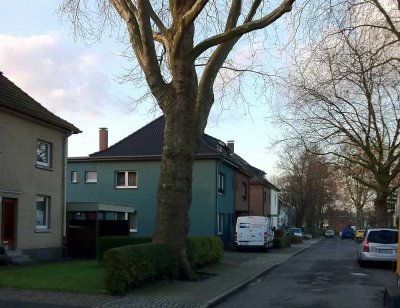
(343,93)
(307,184)
(181,47)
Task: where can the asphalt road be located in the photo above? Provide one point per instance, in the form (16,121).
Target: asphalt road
(326,275)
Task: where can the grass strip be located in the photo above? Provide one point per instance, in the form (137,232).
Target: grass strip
(70,276)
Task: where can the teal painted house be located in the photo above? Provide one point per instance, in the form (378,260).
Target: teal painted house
(119,183)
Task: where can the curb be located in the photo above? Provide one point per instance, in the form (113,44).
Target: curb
(224,295)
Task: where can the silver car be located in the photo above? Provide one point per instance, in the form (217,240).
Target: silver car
(378,245)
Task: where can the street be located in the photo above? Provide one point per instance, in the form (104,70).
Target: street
(325,275)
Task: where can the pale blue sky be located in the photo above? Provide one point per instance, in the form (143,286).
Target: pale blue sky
(77,82)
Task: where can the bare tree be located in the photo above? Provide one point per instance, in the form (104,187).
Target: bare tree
(307,184)
(181,48)
(354,194)
(344,95)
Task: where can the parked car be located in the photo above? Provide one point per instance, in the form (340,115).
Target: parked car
(254,231)
(329,233)
(296,232)
(359,235)
(348,233)
(378,245)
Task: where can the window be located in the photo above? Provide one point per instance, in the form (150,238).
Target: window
(91,176)
(244,191)
(43,154)
(126,179)
(220,221)
(132,217)
(221,183)
(42,212)
(74,177)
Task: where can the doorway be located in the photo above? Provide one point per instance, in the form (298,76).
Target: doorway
(9,222)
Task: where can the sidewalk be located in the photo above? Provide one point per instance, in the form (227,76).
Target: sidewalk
(218,282)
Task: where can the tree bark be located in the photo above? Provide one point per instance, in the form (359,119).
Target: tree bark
(382,219)
(181,139)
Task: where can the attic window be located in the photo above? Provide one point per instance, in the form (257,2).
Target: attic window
(43,154)
(220,146)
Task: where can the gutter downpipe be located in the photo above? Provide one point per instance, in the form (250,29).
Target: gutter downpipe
(64,196)
(216,196)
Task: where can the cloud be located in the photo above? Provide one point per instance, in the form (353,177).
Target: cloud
(71,82)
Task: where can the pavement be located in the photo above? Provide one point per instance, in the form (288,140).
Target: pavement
(217,282)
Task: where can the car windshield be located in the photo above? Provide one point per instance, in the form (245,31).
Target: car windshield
(383,237)
(296,230)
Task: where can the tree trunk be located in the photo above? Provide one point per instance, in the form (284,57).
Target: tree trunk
(174,197)
(380,207)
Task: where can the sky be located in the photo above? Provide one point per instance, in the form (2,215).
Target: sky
(78,82)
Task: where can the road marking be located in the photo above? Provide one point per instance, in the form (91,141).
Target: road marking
(358,274)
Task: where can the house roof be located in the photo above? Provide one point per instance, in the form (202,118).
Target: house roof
(12,98)
(148,141)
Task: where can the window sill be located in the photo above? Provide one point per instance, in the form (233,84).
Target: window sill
(125,187)
(42,231)
(90,182)
(44,167)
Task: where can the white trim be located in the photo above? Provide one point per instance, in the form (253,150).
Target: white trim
(126,179)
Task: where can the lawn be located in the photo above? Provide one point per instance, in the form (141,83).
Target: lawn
(70,276)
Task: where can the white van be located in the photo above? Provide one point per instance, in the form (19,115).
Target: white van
(254,231)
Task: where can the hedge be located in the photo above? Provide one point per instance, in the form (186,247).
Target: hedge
(132,266)
(107,242)
(202,251)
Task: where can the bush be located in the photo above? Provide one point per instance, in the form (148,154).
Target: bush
(281,239)
(204,250)
(107,242)
(132,266)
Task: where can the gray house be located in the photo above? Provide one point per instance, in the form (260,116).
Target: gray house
(33,151)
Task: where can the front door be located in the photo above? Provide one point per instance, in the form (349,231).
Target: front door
(9,222)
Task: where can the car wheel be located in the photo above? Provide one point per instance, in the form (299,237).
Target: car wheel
(362,263)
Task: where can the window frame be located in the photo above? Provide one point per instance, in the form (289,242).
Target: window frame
(47,203)
(244,191)
(220,223)
(221,183)
(48,154)
(126,179)
(132,220)
(86,177)
(74,177)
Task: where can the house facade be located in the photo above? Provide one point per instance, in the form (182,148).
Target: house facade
(264,199)
(120,183)
(33,153)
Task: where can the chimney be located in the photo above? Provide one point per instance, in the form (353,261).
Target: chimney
(231,146)
(103,138)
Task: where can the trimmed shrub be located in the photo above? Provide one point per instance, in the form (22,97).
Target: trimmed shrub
(107,242)
(281,239)
(132,266)
(204,250)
